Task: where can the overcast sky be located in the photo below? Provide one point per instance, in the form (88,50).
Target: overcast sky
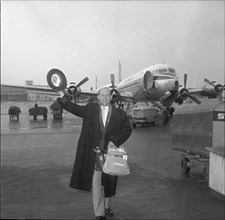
(88,38)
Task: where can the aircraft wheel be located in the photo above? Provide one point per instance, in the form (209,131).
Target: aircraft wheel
(185,169)
(134,125)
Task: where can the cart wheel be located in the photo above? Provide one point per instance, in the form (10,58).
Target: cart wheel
(185,169)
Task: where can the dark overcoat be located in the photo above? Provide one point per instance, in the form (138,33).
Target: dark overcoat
(117,130)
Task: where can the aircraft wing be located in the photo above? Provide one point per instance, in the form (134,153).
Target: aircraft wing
(87,94)
(195,91)
(211,90)
(50,91)
(126,95)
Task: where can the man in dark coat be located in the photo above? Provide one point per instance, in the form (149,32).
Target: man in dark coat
(99,130)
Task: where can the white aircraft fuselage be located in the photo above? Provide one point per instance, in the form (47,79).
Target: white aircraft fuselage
(151,83)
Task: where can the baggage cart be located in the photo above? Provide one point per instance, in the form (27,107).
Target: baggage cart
(56,110)
(14,112)
(144,116)
(35,111)
(196,127)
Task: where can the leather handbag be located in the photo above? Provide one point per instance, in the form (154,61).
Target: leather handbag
(116,162)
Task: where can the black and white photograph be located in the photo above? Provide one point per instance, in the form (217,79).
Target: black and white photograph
(112,110)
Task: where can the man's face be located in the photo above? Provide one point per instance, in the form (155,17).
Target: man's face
(104,96)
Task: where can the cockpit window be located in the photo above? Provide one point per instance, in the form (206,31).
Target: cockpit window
(171,70)
(162,70)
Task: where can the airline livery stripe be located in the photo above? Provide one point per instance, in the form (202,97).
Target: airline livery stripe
(137,82)
(163,77)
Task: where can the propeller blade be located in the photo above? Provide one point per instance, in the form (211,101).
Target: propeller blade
(82,82)
(209,82)
(194,99)
(112,80)
(185,80)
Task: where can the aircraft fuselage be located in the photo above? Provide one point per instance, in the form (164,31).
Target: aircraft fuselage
(151,83)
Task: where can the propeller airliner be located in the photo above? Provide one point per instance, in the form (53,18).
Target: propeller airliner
(158,84)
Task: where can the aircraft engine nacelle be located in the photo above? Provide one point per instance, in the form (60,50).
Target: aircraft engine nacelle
(183,95)
(148,80)
(73,90)
(211,91)
(114,93)
(58,82)
(179,100)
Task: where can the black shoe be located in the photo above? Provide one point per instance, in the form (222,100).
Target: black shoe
(100,218)
(109,212)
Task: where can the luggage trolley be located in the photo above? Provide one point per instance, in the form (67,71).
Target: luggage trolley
(144,116)
(195,128)
(56,110)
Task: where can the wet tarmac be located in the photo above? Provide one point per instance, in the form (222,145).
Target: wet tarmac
(37,159)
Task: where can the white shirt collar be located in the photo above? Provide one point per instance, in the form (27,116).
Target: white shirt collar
(105,107)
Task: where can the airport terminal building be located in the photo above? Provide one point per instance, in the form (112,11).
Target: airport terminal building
(22,94)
